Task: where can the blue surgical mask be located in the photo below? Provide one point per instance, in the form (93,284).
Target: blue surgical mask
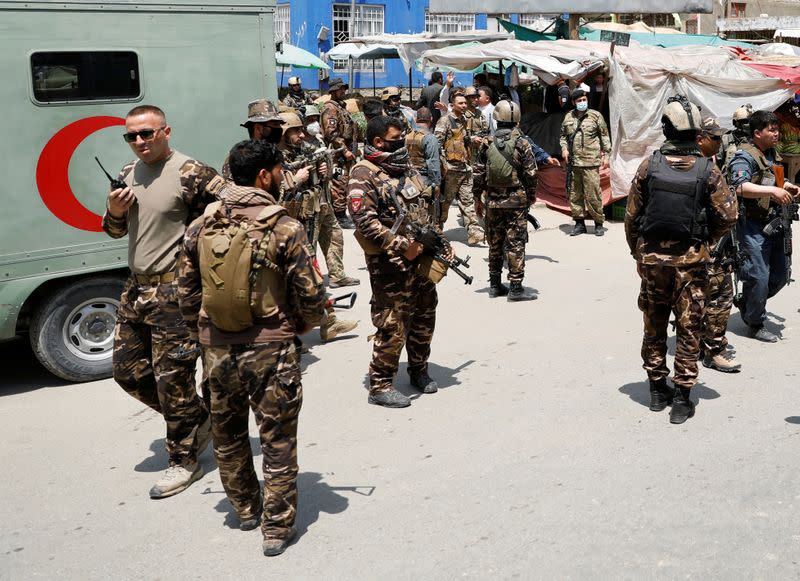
(582,106)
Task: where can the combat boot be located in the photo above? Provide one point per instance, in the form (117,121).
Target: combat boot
(599,229)
(274,547)
(579,228)
(496,288)
(724,362)
(176,479)
(517,292)
(390,398)
(344,221)
(682,406)
(661,394)
(475,237)
(423,382)
(344,281)
(333,327)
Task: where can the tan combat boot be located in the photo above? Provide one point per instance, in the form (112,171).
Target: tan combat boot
(176,479)
(333,327)
(724,362)
(475,237)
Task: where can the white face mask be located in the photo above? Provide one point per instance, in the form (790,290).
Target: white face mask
(582,106)
(313,128)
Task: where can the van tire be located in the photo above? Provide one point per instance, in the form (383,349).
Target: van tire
(78,349)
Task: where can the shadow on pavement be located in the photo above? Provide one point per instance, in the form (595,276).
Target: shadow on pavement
(158,461)
(793,420)
(738,327)
(640,392)
(22,372)
(314,497)
(444,376)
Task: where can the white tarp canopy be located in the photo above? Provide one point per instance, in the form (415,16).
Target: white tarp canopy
(408,47)
(642,78)
(523,53)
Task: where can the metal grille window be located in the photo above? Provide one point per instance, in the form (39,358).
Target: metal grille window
(368,22)
(448,23)
(62,77)
(283,24)
(662,20)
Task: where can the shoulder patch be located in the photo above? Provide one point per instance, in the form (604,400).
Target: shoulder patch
(355,197)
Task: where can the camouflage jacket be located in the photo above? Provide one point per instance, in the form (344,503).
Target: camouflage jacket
(296,101)
(445,128)
(722,212)
(288,249)
(524,163)
(338,128)
(589,135)
(400,116)
(162,198)
(374,212)
(301,200)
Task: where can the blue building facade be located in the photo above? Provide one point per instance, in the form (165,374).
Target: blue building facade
(300,22)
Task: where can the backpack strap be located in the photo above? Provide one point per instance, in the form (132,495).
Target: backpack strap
(267,219)
(367,164)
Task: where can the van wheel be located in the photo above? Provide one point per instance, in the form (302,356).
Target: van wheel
(72,330)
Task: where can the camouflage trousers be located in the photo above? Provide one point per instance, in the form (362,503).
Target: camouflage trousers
(331,242)
(667,289)
(403,308)
(457,186)
(154,360)
(585,196)
(507,233)
(719,301)
(266,378)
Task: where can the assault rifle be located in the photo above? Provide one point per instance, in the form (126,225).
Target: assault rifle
(728,252)
(434,244)
(315,158)
(780,222)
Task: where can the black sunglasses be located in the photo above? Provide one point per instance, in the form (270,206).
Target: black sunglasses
(145,134)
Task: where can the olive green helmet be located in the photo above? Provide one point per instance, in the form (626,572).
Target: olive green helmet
(309,111)
(682,115)
(507,112)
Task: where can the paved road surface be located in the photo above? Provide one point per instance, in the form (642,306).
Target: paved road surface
(538,460)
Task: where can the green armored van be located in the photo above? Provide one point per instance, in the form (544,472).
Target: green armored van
(70,72)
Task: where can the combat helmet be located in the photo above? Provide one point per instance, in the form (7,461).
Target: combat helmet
(742,115)
(507,112)
(389,92)
(309,111)
(290,119)
(682,115)
(471,91)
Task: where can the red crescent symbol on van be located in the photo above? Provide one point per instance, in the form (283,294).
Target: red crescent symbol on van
(52,172)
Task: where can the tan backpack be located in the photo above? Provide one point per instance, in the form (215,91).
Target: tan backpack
(239,282)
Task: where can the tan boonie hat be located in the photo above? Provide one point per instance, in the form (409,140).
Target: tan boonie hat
(337,83)
(712,127)
(261,111)
(294,80)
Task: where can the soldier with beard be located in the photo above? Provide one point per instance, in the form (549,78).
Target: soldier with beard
(296,97)
(263,122)
(247,246)
(339,130)
(403,299)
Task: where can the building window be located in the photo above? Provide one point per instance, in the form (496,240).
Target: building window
(653,20)
(368,22)
(62,77)
(737,9)
(691,26)
(538,22)
(448,23)
(283,24)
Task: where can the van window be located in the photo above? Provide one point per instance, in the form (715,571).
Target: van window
(84,76)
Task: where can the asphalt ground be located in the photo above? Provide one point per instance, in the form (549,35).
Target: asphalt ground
(538,459)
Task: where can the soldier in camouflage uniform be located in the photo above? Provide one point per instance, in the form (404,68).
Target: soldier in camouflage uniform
(390,97)
(505,175)
(154,356)
(257,366)
(296,97)
(739,135)
(301,194)
(476,123)
(670,235)
(339,130)
(403,300)
(719,294)
(585,147)
(263,122)
(455,139)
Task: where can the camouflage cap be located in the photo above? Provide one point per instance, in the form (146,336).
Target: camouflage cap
(337,83)
(261,111)
(712,127)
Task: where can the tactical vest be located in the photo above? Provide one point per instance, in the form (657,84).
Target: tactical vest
(500,170)
(455,146)
(240,283)
(416,153)
(676,203)
(385,214)
(758,208)
(346,124)
(303,202)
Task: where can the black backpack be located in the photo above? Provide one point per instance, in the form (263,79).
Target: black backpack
(676,202)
